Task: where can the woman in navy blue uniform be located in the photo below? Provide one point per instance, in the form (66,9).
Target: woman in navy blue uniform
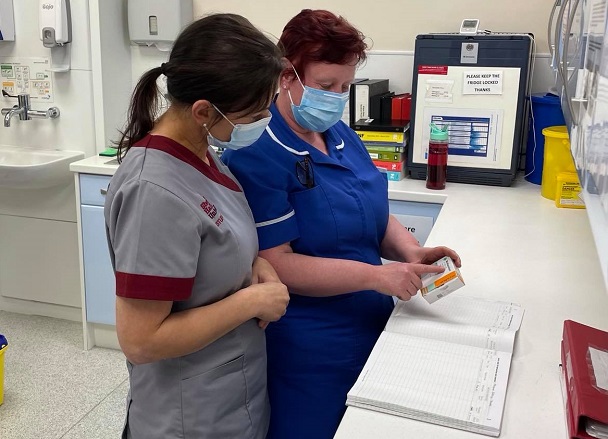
(321,212)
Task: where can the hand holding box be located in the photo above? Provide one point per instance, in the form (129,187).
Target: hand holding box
(436,286)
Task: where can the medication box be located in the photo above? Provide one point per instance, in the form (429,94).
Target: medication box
(436,286)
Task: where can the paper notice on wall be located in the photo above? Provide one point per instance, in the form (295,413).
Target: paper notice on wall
(29,75)
(473,134)
(482,82)
(439,90)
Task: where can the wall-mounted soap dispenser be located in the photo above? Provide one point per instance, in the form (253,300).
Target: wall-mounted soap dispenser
(55,22)
(158,22)
(7,21)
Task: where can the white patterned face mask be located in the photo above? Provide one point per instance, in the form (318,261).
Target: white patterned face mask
(242,134)
(319,109)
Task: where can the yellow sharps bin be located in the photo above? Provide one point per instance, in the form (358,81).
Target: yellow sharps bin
(3,346)
(557,159)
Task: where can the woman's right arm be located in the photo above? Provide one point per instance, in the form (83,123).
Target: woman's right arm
(316,276)
(148,331)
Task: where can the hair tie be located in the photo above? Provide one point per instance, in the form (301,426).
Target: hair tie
(163,68)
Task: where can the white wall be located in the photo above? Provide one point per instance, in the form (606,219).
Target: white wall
(391,34)
(111,61)
(74,129)
(394,24)
(145,58)
(38,233)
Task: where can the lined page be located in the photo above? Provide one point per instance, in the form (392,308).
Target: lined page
(435,381)
(459,319)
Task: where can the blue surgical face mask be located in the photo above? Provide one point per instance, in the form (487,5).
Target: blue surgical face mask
(319,109)
(242,134)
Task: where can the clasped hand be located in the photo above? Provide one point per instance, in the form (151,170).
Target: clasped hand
(275,294)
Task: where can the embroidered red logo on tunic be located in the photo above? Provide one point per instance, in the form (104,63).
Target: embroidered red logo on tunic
(211,210)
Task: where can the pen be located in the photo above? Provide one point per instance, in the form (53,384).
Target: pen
(305,173)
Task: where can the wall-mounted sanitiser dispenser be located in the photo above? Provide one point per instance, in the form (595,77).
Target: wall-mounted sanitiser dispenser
(55,22)
(7,21)
(158,22)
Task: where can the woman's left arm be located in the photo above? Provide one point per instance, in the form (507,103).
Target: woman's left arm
(400,245)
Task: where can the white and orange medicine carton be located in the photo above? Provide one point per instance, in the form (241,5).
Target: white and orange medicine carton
(436,286)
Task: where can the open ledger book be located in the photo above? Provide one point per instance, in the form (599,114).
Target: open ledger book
(446,363)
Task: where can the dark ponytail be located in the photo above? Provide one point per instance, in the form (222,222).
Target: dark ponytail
(141,116)
(222,58)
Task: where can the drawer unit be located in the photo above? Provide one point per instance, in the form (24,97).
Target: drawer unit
(93,189)
(99,283)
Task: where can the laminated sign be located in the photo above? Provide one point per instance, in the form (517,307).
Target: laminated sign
(477,82)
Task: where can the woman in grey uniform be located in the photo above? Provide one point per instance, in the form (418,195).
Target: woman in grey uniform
(192,295)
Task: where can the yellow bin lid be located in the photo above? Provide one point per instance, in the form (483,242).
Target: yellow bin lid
(558,132)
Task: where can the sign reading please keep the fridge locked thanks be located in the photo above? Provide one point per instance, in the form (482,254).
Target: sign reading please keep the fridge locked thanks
(481,82)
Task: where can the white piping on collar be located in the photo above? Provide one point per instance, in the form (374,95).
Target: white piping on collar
(291,150)
(295,151)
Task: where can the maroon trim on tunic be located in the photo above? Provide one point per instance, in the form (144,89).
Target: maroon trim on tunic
(182,153)
(143,286)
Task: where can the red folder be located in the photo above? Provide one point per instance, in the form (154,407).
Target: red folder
(401,107)
(396,107)
(584,400)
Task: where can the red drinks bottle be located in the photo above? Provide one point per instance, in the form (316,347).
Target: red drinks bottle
(437,162)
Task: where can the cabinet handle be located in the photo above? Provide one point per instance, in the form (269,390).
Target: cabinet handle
(103,192)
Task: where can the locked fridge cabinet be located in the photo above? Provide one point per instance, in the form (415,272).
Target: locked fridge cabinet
(478,85)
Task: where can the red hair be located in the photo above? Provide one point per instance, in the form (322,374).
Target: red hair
(321,36)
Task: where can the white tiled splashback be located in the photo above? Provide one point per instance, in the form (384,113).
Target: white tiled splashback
(74,129)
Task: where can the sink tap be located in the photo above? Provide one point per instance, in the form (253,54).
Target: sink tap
(24,111)
(10,112)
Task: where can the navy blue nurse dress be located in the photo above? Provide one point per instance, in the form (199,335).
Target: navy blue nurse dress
(338,209)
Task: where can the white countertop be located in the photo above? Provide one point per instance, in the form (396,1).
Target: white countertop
(515,246)
(95,165)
